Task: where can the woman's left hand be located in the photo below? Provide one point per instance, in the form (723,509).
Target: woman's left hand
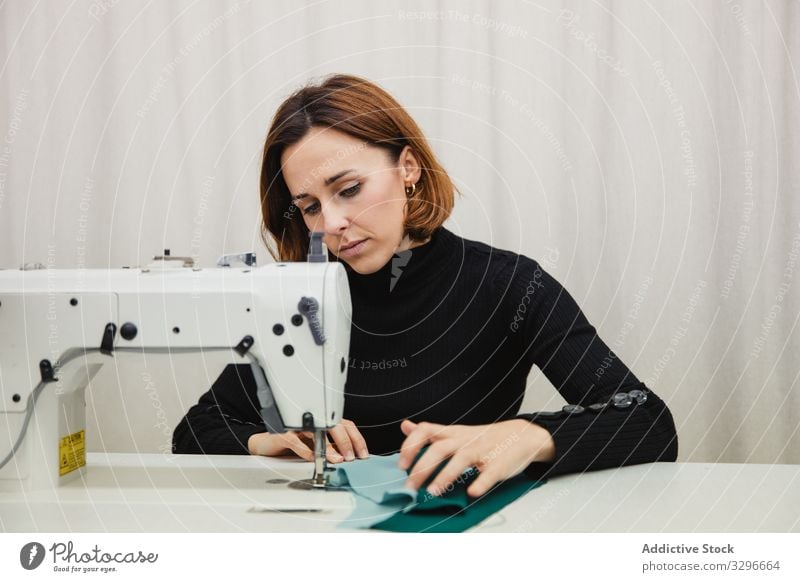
(500,451)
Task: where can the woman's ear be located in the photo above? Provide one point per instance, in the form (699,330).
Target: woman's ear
(409,164)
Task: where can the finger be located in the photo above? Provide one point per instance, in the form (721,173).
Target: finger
(293,442)
(307,438)
(339,435)
(436,454)
(407,426)
(487,479)
(332,454)
(416,438)
(303,445)
(450,473)
(359,443)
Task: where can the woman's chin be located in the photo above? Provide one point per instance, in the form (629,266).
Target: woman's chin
(362,265)
(362,270)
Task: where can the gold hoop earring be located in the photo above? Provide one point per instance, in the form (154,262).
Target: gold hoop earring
(410,190)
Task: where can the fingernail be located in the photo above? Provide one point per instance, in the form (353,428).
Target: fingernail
(350,457)
(433,490)
(363,453)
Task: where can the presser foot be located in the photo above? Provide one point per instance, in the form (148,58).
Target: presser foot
(320,479)
(311,483)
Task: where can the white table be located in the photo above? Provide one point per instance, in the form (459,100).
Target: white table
(175,493)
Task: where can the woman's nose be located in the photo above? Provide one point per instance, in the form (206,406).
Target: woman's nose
(336,220)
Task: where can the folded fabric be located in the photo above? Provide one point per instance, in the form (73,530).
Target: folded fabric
(383,502)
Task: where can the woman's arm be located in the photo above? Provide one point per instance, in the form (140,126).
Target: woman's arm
(224,418)
(556,336)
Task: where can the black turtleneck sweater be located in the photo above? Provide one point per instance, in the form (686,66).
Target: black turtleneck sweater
(447,332)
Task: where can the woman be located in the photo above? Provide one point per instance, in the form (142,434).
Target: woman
(445,330)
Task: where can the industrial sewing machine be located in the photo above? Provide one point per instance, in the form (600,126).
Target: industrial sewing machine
(290,321)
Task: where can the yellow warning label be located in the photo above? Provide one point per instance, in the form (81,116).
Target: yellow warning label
(71,452)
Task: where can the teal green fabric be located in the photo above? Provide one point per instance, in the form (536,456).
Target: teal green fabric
(384,503)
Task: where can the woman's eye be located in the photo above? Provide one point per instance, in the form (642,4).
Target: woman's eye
(352,191)
(348,193)
(311,208)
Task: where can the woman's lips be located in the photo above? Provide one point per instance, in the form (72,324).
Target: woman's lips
(354,250)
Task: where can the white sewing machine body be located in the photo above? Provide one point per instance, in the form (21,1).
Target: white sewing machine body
(291,321)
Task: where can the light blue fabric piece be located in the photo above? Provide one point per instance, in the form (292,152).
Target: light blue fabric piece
(377,478)
(379,488)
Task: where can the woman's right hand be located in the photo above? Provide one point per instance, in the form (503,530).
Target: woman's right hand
(347,444)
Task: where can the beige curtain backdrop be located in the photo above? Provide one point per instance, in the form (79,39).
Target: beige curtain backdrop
(646,153)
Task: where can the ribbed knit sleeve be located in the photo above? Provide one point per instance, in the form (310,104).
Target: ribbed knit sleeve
(605,430)
(224,418)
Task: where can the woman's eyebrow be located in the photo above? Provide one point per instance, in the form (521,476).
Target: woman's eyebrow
(328,182)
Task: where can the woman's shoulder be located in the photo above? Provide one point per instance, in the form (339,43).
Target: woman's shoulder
(504,275)
(501,263)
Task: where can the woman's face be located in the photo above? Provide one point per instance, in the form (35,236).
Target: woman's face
(352,192)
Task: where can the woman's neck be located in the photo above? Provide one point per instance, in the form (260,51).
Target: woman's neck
(407,243)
